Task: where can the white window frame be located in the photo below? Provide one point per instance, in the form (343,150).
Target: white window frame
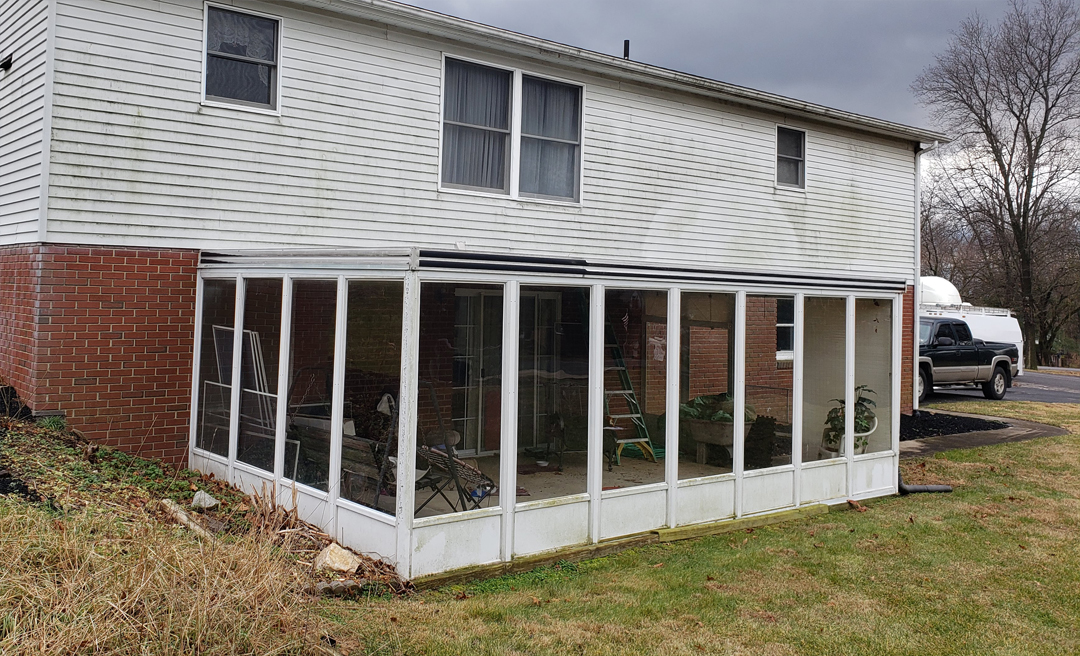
(776,159)
(515,136)
(241,105)
(786,356)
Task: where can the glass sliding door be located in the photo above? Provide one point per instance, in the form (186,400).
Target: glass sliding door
(259,372)
(553,392)
(873,375)
(215,365)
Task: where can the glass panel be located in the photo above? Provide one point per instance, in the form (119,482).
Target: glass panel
(259,373)
(635,387)
(789,143)
(548,168)
(473,157)
(823,377)
(707,403)
(550,109)
(789,171)
(215,366)
(372,384)
(477,95)
(238,80)
(769,386)
(241,34)
(873,375)
(311,382)
(553,392)
(459,402)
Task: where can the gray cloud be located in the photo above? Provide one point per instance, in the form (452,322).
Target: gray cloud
(856,55)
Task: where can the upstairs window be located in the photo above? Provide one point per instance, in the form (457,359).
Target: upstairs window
(241,58)
(481,137)
(790,157)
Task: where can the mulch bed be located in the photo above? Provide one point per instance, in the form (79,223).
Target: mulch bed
(931,424)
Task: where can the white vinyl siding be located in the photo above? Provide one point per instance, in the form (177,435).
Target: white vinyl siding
(23,34)
(353,160)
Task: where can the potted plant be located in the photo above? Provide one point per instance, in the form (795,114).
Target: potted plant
(709,420)
(832,439)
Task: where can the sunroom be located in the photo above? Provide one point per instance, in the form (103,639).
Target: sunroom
(441,410)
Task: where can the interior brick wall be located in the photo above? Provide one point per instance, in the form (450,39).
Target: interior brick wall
(110,344)
(908,352)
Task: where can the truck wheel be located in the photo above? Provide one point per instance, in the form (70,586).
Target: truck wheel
(924,384)
(998,384)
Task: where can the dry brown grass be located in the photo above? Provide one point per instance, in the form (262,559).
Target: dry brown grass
(96,582)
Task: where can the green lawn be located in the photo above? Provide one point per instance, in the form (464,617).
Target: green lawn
(993,568)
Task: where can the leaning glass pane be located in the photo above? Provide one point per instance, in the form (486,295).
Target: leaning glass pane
(635,387)
(548,168)
(311,382)
(873,375)
(477,95)
(553,392)
(823,377)
(238,80)
(259,373)
(550,109)
(237,33)
(215,366)
(706,385)
(372,380)
(459,402)
(473,157)
(769,385)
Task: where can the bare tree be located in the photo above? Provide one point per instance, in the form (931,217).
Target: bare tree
(1010,94)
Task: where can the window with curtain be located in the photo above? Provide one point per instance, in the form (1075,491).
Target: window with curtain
(478,132)
(241,58)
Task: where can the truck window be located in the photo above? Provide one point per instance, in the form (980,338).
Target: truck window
(963,334)
(924,332)
(945,330)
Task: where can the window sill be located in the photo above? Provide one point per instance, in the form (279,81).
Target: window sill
(790,189)
(242,108)
(507,197)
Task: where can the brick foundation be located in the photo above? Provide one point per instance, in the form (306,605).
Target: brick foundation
(103,335)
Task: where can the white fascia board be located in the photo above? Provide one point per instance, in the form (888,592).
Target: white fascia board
(442,26)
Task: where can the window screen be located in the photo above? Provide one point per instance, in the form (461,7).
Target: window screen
(790,157)
(476,126)
(241,57)
(550,129)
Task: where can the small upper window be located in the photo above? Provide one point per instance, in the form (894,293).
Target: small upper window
(785,328)
(241,58)
(790,157)
(479,134)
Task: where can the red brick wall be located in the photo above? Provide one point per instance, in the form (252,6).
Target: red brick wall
(111,341)
(769,382)
(908,353)
(18,282)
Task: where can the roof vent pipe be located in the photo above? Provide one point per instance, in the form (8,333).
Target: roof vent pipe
(626,49)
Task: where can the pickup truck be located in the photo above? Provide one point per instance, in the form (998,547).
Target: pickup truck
(950,356)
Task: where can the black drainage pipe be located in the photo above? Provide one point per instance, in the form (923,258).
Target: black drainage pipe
(915,489)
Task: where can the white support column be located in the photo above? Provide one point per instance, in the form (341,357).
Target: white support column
(337,411)
(797,396)
(596,408)
(738,466)
(406,464)
(235,382)
(671,405)
(509,414)
(281,414)
(897,376)
(849,392)
(193,422)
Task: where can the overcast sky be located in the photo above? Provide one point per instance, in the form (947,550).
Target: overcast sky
(856,55)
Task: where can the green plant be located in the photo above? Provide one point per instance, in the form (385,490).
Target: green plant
(864,419)
(715,407)
(52,422)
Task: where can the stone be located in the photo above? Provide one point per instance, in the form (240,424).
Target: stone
(203,501)
(337,558)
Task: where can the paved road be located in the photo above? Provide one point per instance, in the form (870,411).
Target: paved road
(1032,386)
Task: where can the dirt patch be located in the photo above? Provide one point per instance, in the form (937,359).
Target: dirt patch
(922,424)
